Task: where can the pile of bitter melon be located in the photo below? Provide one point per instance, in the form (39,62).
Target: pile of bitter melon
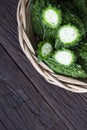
(61,27)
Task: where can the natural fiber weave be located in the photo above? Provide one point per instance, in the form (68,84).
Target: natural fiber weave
(27,41)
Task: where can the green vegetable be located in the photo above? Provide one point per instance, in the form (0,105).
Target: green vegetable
(64,23)
(64,57)
(44,50)
(36,9)
(51,17)
(84,64)
(82,55)
(74,70)
(70,17)
(41,28)
(69,35)
(81,9)
(83,51)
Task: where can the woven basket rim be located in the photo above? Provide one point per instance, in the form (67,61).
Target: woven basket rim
(67,83)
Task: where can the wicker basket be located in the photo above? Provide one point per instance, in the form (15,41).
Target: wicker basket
(27,41)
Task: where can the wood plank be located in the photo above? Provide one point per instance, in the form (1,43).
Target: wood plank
(62,102)
(2,126)
(21,106)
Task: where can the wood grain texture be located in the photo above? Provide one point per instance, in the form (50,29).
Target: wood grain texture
(21,106)
(63,109)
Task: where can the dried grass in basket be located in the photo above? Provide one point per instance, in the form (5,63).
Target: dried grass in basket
(27,41)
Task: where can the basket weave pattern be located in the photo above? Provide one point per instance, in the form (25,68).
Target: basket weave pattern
(53,78)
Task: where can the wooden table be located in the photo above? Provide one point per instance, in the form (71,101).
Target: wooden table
(27,101)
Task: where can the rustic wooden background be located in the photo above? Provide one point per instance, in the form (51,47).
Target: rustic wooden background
(27,101)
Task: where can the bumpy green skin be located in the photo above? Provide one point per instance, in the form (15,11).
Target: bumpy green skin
(81,9)
(36,8)
(83,51)
(40,55)
(43,31)
(74,70)
(69,17)
(66,50)
(57,11)
(82,55)
(70,14)
(84,65)
(73,42)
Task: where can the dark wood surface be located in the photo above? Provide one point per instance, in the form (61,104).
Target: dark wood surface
(27,101)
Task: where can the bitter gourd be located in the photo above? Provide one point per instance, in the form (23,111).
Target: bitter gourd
(44,50)
(75,70)
(69,17)
(51,17)
(81,9)
(82,51)
(41,29)
(69,35)
(64,57)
